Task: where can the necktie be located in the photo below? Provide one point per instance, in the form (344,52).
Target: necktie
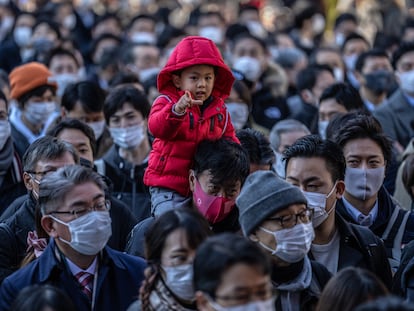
(85,280)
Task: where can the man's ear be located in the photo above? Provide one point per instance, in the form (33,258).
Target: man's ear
(27,179)
(340,189)
(202,302)
(306,95)
(359,77)
(47,225)
(63,112)
(191,180)
(176,79)
(253,237)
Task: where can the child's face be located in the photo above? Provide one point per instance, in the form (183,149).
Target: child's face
(198,79)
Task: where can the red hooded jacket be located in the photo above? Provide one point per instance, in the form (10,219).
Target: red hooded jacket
(177,137)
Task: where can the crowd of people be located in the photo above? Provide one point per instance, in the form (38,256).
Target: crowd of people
(206,155)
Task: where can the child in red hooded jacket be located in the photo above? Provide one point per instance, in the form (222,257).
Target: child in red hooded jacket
(194,83)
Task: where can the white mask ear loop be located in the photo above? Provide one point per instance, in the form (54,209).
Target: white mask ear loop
(328,195)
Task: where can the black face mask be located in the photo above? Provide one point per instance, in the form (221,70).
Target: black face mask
(380,81)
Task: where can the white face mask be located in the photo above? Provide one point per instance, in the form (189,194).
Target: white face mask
(89,233)
(128,137)
(213,33)
(261,305)
(318,23)
(145,74)
(407,81)
(292,244)
(69,21)
(22,35)
(143,37)
(339,39)
(249,67)
(179,280)
(5,131)
(350,61)
(38,113)
(256,29)
(63,80)
(322,126)
(97,127)
(364,183)
(239,113)
(338,74)
(317,202)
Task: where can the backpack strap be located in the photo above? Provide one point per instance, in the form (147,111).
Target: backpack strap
(393,235)
(369,243)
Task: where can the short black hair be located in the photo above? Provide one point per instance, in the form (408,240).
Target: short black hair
(76,125)
(344,94)
(89,94)
(362,58)
(404,48)
(123,94)
(306,79)
(257,146)
(354,36)
(247,35)
(140,16)
(219,253)
(226,160)
(361,126)
(311,146)
(59,51)
(344,17)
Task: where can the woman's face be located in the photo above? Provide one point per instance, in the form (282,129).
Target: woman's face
(176,250)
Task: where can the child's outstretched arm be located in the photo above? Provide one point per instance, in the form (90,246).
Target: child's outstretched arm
(185,102)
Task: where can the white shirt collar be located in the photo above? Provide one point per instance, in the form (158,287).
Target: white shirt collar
(364,220)
(75,269)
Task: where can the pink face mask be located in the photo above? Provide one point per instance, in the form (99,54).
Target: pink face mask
(212,207)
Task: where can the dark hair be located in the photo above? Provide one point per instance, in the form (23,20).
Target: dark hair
(306,78)
(60,51)
(221,252)
(243,91)
(102,37)
(388,303)
(304,15)
(345,17)
(141,16)
(197,230)
(46,148)
(38,92)
(349,288)
(89,94)
(257,146)
(37,297)
(226,160)
(311,146)
(123,94)
(122,78)
(364,126)
(195,225)
(52,25)
(76,125)
(404,48)
(247,35)
(362,58)
(3,97)
(354,36)
(408,174)
(102,18)
(344,94)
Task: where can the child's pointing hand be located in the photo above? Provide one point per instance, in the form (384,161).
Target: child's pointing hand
(185,102)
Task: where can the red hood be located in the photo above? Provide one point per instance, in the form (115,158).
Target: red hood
(194,50)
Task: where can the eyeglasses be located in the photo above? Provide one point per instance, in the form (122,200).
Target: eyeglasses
(289,221)
(239,299)
(99,207)
(42,174)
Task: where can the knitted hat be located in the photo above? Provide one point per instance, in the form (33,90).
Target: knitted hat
(263,194)
(27,77)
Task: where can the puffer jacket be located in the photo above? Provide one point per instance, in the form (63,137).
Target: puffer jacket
(177,137)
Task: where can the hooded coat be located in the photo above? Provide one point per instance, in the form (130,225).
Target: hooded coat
(177,137)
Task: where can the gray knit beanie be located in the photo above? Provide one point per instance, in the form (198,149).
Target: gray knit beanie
(263,194)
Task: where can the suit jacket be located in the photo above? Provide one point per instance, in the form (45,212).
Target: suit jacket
(397,118)
(119,278)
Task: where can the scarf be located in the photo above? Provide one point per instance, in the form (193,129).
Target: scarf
(290,291)
(161,299)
